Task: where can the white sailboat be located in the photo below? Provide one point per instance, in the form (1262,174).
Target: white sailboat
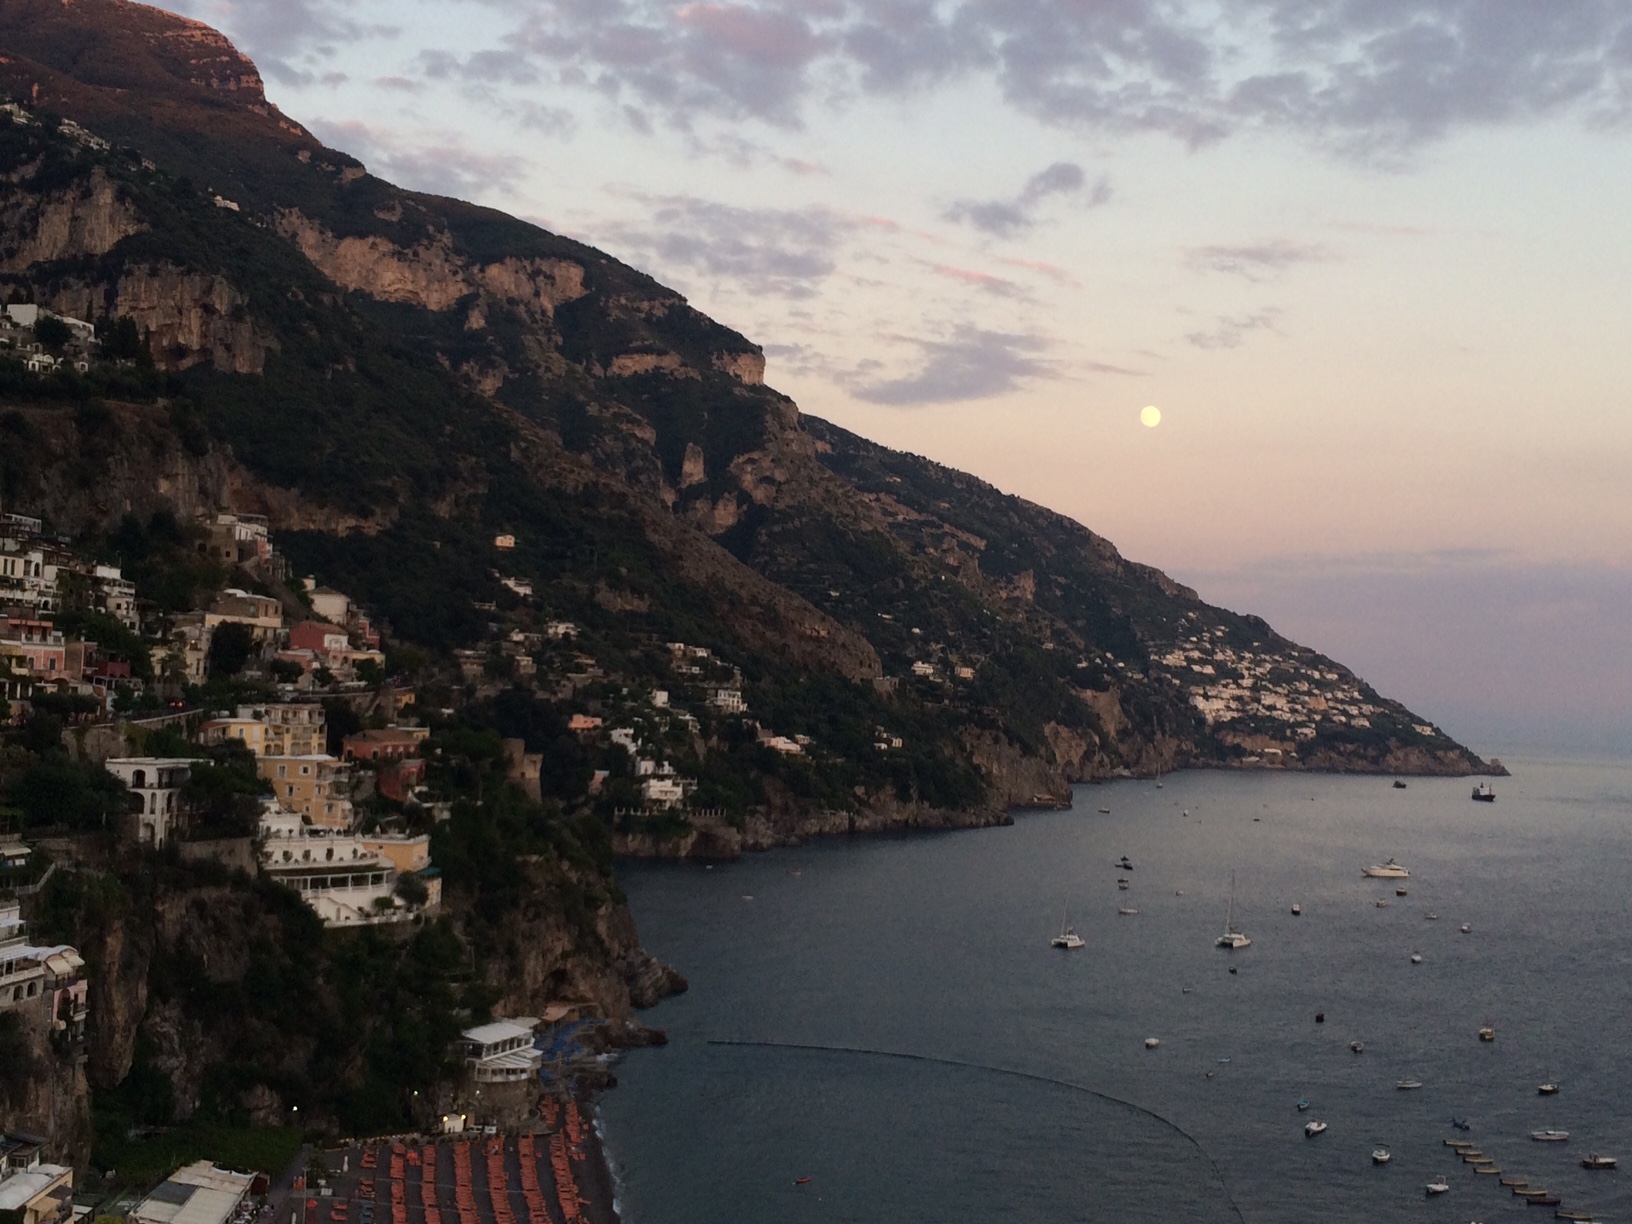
(1068,937)
(1232,938)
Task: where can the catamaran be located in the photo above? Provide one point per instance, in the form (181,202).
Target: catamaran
(1232,938)
(1068,937)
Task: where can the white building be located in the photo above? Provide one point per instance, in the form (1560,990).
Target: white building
(115,595)
(40,1194)
(727,700)
(501,1052)
(199,1193)
(343,880)
(28,576)
(156,782)
(663,792)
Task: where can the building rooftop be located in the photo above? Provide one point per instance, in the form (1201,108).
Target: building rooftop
(199,1193)
(19,1188)
(501,1030)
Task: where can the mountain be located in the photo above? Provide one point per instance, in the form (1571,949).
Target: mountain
(398,379)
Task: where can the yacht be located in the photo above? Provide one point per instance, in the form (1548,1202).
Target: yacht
(1381,1156)
(1595,1161)
(1068,937)
(1386,871)
(1231,938)
(1311,1129)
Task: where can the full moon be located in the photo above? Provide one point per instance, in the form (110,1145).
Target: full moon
(1150,416)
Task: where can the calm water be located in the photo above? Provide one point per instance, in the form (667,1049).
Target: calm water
(937,945)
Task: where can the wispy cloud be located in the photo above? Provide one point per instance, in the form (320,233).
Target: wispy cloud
(425,161)
(969,364)
(1231,332)
(1005,217)
(1257,261)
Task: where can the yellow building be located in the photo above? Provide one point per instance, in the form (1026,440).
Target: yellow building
(251,732)
(311,785)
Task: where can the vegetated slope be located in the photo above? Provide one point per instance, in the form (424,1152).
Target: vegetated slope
(398,377)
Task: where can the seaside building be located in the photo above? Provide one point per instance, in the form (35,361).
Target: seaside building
(49,980)
(199,1193)
(314,785)
(502,1052)
(339,875)
(38,1194)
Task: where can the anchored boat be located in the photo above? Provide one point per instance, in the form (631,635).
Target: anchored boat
(1386,871)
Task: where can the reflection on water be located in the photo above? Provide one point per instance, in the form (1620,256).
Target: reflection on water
(937,945)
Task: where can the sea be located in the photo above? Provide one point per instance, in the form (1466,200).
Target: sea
(884,1016)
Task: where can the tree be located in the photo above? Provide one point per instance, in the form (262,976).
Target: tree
(52,331)
(231,646)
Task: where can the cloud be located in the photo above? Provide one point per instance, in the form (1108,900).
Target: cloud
(1256,260)
(280,37)
(1232,332)
(971,364)
(1369,80)
(1002,218)
(772,251)
(441,164)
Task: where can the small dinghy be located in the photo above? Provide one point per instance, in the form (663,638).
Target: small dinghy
(1126,910)
(1438,1186)
(1399,892)
(1467,928)
(1303,1106)
(1487,1034)
(1549,1136)
(1152,1042)
(1359,1047)
(1416,958)
(1546,1089)
(1380,1156)
(1407,1085)
(1430,917)
(1311,1129)
(1596,1161)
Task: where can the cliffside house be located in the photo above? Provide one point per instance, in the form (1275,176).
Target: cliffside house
(38,642)
(502,1052)
(727,700)
(114,595)
(155,784)
(199,1193)
(240,539)
(319,637)
(251,732)
(343,880)
(663,792)
(385,743)
(261,613)
(46,980)
(314,785)
(39,1194)
(293,728)
(28,576)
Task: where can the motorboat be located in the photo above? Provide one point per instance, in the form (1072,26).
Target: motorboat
(1483,793)
(1381,1156)
(1399,892)
(1416,958)
(1461,1145)
(1549,1136)
(1127,909)
(1303,1106)
(1407,1085)
(1152,1042)
(1359,1047)
(1466,928)
(1487,1034)
(1296,910)
(1546,1089)
(1437,1186)
(1386,871)
(1231,938)
(1595,1161)
(1311,1129)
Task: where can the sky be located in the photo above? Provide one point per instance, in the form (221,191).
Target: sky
(1369,258)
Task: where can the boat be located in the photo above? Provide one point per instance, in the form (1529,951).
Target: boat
(1483,793)
(1303,1106)
(1127,909)
(1595,1161)
(801,1181)
(1125,863)
(1510,1182)
(1407,1085)
(1438,1186)
(1380,1156)
(1487,1171)
(1068,937)
(1122,884)
(1546,1089)
(1431,917)
(1459,1144)
(1359,1047)
(1487,1034)
(1399,892)
(1152,1042)
(1398,785)
(1585,1216)
(1461,1124)
(1466,928)
(1311,1129)
(1231,938)
(1104,811)
(1382,902)
(1416,958)
(1296,910)
(1549,1136)
(1386,871)
(1530,1192)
